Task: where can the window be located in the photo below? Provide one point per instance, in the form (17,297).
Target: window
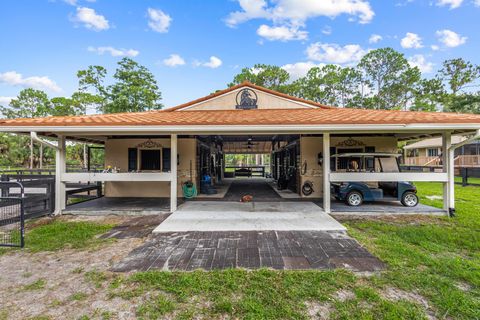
(432,152)
(150,160)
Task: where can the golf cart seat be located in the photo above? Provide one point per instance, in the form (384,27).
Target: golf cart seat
(372,184)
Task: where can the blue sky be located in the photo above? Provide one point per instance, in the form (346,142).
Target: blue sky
(195,47)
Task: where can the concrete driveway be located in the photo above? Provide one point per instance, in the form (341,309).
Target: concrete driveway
(252,216)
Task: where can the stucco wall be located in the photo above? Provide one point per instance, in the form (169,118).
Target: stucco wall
(116,155)
(311,146)
(228,102)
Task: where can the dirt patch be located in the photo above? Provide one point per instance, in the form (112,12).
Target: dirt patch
(463,286)
(395,294)
(109,219)
(73,283)
(344,295)
(394,219)
(318,311)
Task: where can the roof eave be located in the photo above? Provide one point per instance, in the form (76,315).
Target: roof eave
(232,129)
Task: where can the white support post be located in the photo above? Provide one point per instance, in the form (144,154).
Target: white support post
(173,181)
(60,168)
(447,168)
(451,181)
(326,173)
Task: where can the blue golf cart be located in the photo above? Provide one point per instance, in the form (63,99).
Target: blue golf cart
(356,193)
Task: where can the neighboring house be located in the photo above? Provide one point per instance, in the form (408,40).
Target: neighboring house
(155,152)
(428,152)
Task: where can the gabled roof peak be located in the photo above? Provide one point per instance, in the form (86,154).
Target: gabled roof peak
(247,83)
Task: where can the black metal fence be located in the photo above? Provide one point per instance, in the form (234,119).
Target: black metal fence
(39,198)
(470,176)
(12,217)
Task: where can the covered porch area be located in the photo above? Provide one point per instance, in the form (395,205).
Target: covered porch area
(138,183)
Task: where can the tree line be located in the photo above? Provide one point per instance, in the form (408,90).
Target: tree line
(134,88)
(383,79)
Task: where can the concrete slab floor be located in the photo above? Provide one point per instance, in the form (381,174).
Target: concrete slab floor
(384,208)
(253,216)
(121,206)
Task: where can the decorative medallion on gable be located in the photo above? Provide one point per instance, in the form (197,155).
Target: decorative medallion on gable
(246,99)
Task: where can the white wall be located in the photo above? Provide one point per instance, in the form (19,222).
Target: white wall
(116,155)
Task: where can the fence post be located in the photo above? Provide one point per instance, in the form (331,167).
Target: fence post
(5,191)
(464,177)
(99,189)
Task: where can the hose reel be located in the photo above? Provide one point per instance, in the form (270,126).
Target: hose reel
(307,188)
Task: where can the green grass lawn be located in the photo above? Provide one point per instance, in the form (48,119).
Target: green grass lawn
(58,234)
(433,269)
(470,180)
(438,257)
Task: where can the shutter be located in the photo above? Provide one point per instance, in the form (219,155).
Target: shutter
(132,159)
(166,162)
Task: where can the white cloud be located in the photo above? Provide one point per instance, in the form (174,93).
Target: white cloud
(452,3)
(411,40)
(282,33)
(91,20)
(334,53)
(5,101)
(327,30)
(421,62)
(476,3)
(14,78)
(435,47)
(158,21)
(297,12)
(114,52)
(374,38)
(450,38)
(213,63)
(299,69)
(174,60)
(71,2)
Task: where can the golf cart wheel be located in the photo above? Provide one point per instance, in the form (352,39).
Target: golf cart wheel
(354,199)
(409,199)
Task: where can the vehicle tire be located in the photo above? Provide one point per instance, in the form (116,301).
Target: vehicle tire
(354,198)
(409,199)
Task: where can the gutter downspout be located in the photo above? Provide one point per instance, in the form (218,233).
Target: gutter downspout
(476,136)
(35,137)
(44,142)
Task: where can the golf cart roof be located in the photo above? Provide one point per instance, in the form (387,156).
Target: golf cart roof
(367,154)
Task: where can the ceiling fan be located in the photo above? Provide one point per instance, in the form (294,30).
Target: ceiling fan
(250,143)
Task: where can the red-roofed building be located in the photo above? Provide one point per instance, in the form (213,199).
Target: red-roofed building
(156,152)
